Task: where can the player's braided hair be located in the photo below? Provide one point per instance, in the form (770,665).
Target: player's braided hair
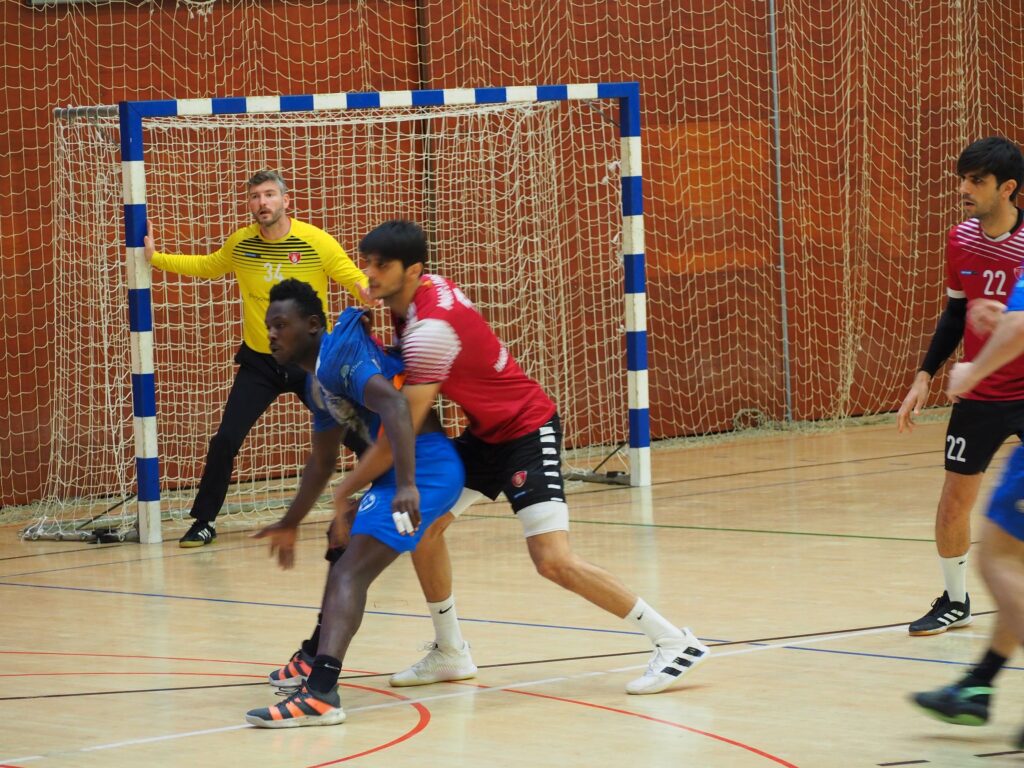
(303,295)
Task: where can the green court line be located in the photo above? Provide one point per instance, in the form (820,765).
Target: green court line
(717,528)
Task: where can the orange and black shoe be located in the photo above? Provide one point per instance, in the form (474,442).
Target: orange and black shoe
(294,673)
(304,707)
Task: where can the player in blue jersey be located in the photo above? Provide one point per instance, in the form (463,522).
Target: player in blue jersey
(352,378)
(1002,538)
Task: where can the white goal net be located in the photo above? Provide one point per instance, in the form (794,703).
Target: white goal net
(523,205)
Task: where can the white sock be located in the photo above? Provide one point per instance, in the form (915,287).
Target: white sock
(447,634)
(954,572)
(652,623)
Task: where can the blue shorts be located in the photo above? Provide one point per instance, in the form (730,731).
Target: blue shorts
(439,478)
(1006,508)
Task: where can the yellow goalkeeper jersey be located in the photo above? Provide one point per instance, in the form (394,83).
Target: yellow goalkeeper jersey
(305,253)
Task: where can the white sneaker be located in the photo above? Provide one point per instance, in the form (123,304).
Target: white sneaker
(672,659)
(437,666)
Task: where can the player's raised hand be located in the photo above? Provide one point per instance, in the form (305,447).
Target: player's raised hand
(282,542)
(149,245)
(983,315)
(405,509)
(914,402)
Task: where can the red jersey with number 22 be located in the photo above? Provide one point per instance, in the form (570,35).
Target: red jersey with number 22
(445,339)
(978,267)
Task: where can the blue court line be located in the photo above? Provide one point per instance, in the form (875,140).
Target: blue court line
(225,601)
(892,657)
(713,641)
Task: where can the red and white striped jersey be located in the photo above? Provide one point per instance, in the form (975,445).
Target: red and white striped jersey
(978,267)
(444,339)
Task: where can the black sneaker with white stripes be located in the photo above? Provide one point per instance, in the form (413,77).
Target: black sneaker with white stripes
(945,614)
(199,534)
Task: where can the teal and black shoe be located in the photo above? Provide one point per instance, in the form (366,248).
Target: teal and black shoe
(955,704)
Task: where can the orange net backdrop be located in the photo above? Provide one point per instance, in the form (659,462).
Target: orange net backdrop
(876,99)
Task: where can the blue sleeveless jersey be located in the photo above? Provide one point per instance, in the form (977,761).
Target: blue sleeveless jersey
(349,357)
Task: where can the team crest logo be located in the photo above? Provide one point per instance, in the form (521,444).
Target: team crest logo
(519,478)
(294,257)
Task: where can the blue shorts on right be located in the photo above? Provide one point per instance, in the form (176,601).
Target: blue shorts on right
(1006,508)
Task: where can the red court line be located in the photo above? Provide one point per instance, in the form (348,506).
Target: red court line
(421,723)
(424,719)
(113,674)
(741,745)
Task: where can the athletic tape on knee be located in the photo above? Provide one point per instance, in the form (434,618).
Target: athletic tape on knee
(545,517)
(466,499)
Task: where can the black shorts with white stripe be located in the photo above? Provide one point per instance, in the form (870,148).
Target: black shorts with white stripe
(528,469)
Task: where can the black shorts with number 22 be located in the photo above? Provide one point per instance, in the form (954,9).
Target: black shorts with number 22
(976,430)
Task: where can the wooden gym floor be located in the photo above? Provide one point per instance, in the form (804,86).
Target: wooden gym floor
(800,559)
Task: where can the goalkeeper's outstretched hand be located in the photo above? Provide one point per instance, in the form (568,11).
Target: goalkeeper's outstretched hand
(149,244)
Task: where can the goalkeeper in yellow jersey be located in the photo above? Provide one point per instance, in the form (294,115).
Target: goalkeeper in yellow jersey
(274,247)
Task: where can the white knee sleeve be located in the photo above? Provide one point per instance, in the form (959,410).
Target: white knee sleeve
(545,517)
(465,500)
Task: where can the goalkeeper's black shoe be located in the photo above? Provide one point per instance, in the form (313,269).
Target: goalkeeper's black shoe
(198,535)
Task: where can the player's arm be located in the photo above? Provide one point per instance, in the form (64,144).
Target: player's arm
(378,457)
(390,404)
(343,270)
(210,265)
(320,465)
(948,332)
(983,315)
(1005,344)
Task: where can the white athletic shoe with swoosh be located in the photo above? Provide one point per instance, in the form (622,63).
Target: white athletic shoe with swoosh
(438,666)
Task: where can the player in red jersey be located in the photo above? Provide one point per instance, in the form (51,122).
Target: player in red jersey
(983,257)
(512,446)
(967,702)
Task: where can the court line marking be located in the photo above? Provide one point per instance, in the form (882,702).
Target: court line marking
(468,689)
(721,529)
(605,490)
(792,644)
(473,689)
(394,614)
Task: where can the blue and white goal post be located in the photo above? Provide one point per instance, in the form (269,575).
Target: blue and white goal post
(619,103)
